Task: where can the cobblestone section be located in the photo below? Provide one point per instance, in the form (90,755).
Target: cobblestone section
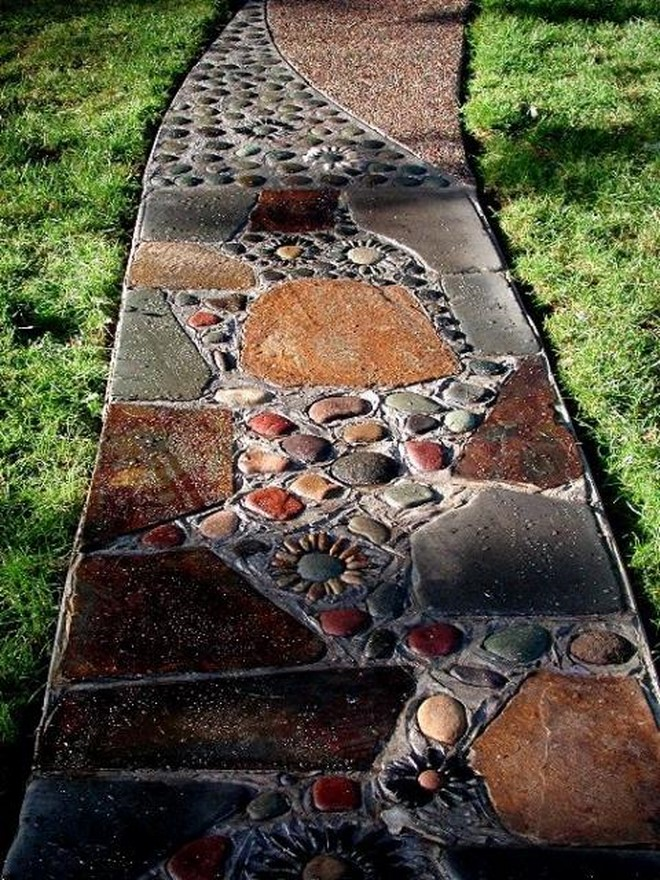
(344,605)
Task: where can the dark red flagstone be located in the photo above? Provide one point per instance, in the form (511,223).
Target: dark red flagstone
(294,210)
(523,439)
(154,465)
(183,611)
(338,719)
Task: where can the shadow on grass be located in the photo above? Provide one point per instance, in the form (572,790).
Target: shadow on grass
(615,11)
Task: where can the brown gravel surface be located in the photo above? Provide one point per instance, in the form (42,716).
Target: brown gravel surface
(393,63)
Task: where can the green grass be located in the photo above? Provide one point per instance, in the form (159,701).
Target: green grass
(564,103)
(82,85)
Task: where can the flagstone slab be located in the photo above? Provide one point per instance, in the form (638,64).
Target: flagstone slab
(187,266)
(154,465)
(442,227)
(342,333)
(92,828)
(523,439)
(338,719)
(183,611)
(298,210)
(195,215)
(155,359)
(489,313)
(541,863)
(513,553)
(589,752)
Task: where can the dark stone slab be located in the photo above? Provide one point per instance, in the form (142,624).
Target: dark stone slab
(511,553)
(112,829)
(549,864)
(489,313)
(195,214)
(155,358)
(295,210)
(182,611)
(154,465)
(443,228)
(337,720)
(523,439)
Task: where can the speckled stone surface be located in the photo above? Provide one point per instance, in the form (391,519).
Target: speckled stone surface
(344,604)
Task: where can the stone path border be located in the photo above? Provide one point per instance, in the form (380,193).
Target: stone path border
(344,602)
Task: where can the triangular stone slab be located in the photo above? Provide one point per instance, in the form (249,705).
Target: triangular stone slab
(182,611)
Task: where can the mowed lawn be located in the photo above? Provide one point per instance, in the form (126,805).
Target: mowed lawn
(82,85)
(564,108)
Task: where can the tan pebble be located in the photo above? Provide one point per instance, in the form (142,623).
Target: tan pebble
(257,461)
(442,718)
(313,486)
(219,525)
(365,432)
(239,398)
(364,256)
(429,780)
(289,252)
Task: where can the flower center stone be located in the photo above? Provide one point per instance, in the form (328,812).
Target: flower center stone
(319,567)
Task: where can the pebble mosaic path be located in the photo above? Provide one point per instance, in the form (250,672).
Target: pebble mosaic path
(344,604)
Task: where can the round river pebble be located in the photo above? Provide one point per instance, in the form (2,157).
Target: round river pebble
(221,524)
(410,402)
(364,256)
(365,468)
(331,409)
(326,867)
(320,567)
(307,448)
(460,420)
(274,503)
(435,639)
(331,794)
(166,535)
(369,528)
(519,644)
(343,621)
(364,432)
(461,393)
(425,455)
(601,648)
(406,495)
(418,423)
(271,425)
(242,398)
(442,718)
(267,806)
(258,461)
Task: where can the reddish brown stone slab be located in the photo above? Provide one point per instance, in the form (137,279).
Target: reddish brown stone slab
(182,611)
(294,210)
(575,760)
(523,440)
(179,265)
(342,333)
(337,719)
(200,859)
(154,465)
(336,794)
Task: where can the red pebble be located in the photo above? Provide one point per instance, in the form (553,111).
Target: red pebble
(274,503)
(200,860)
(161,537)
(343,621)
(334,794)
(203,319)
(271,424)
(435,640)
(425,455)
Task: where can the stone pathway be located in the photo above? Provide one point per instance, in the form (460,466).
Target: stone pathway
(345,606)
